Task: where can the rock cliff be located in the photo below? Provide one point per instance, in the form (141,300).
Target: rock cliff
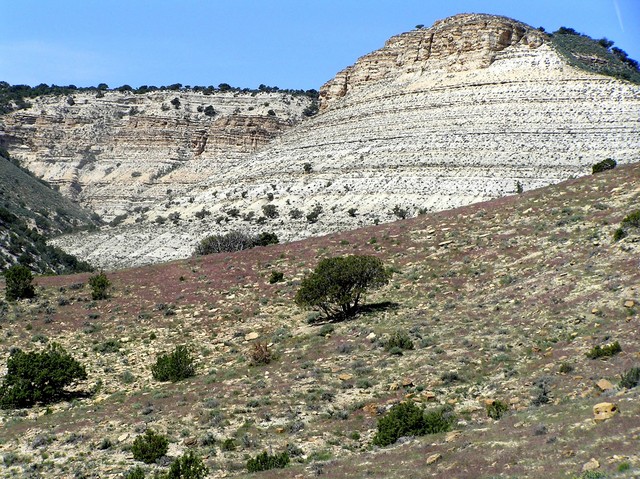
(119,151)
(473,108)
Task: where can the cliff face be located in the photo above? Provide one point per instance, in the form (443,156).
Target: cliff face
(473,108)
(455,44)
(120,151)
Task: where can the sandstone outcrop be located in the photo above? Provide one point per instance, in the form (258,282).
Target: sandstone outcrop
(473,108)
(119,151)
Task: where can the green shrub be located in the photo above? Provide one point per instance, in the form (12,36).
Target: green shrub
(135,473)
(450,377)
(314,214)
(226,243)
(174,366)
(228,444)
(624,466)
(326,330)
(337,284)
(632,220)
(399,212)
(630,378)
(187,466)
(604,351)
(39,377)
(149,447)
(408,419)
(276,277)
(99,286)
(265,239)
(264,462)
(592,475)
(400,340)
(618,234)
(19,283)
(566,368)
(604,165)
(270,211)
(496,409)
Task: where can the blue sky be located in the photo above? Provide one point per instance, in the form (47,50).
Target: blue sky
(285,43)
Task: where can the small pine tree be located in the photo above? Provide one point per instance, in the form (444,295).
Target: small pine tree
(149,447)
(409,419)
(187,466)
(19,283)
(174,366)
(264,462)
(39,377)
(337,284)
(99,286)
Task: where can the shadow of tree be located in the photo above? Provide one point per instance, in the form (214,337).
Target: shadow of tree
(362,310)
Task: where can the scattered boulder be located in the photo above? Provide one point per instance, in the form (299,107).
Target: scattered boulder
(604,410)
(592,465)
(604,385)
(433,458)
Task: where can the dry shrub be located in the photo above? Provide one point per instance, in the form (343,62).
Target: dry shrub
(259,353)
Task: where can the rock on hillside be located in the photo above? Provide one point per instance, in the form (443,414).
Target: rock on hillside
(470,109)
(119,151)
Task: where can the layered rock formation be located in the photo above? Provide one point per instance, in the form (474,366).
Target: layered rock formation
(472,108)
(118,151)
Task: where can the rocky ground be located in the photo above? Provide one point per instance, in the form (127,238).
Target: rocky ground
(502,301)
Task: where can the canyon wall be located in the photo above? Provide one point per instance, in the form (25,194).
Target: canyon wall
(473,108)
(116,152)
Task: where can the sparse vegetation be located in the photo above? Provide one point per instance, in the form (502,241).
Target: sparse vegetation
(597,56)
(484,313)
(174,366)
(337,284)
(629,223)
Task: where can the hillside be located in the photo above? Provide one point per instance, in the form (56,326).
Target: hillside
(474,107)
(31,211)
(502,300)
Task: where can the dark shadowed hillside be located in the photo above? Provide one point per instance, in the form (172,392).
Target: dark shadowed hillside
(30,211)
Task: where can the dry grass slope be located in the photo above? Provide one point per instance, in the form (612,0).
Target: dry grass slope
(502,301)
